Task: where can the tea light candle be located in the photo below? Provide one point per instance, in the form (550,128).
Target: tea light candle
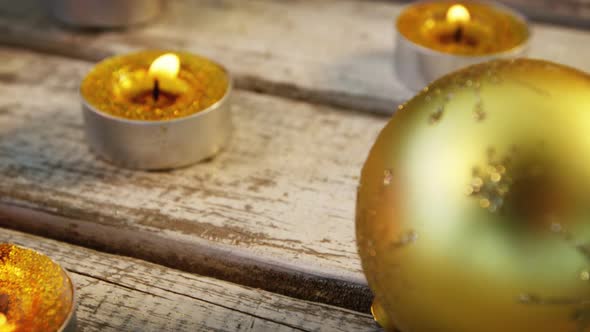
(437,37)
(104,13)
(156,109)
(36,294)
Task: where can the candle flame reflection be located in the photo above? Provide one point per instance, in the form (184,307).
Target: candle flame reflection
(167,65)
(458,14)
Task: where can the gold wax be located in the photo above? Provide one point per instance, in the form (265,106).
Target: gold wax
(35,293)
(206,82)
(490,29)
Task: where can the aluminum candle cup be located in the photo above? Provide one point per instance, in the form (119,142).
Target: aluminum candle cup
(434,38)
(36,294)
(104,13)
(156,110)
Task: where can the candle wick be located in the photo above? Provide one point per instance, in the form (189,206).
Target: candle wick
(4,303)
(458,36)
(156,90)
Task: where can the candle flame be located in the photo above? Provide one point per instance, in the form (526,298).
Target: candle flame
(167,65)
(5,326)
(458,14)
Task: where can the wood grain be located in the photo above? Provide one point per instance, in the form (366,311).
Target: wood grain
(274,210)
(123,294)
(334,52)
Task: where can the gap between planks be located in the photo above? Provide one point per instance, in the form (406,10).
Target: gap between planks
(204,259)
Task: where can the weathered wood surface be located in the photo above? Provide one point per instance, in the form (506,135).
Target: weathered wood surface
(335,52)
(274,210)
(575,13)
(122,294)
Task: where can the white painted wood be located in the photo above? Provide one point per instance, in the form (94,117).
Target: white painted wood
(122,294)
(336,52)
(274,210)
(279,203)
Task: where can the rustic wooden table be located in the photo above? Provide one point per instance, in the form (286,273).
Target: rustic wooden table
(261,237)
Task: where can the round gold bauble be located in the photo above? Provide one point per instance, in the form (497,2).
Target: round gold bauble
(473,209)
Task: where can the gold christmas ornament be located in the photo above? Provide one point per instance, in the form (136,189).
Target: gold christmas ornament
(473,209)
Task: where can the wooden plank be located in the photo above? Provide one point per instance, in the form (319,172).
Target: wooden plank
(334,52)
(122,294)
(274,210)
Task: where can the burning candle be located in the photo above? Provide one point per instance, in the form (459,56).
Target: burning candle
(436,37)
(5,325)
(156,110)
(36,294)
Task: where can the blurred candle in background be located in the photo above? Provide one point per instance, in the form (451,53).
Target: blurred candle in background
(462,28)
(437,37)
(104,13)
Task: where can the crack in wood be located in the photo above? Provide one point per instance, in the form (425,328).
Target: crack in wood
(105,280)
